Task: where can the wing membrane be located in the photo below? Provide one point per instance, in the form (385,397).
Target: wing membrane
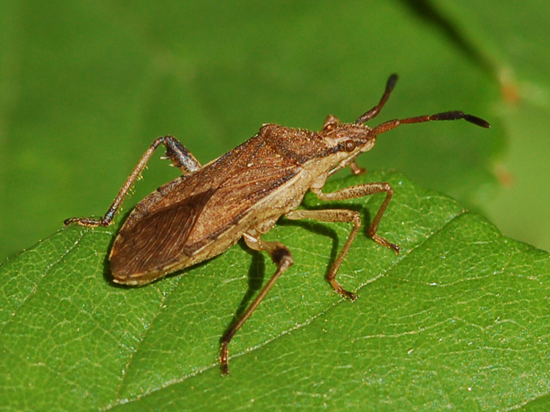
(158,239)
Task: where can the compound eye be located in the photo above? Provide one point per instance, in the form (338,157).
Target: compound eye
(349,145)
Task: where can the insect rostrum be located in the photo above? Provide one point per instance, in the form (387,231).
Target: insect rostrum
(242,194)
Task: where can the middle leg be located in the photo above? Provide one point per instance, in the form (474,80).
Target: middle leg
(334,215)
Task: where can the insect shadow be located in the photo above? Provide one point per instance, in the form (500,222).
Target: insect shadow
(256,276)
(107,275)
(322,229)
(257,270)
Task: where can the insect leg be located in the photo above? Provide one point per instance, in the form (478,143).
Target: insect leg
(356,170)
(175,151)
(179,155)
(282,257)
(360,191)
(333,215)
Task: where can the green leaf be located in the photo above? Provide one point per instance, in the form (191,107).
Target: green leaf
(85,87)
(512,35)
(457,319)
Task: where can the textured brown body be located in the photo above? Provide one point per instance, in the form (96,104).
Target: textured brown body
(242,194)
(200,215)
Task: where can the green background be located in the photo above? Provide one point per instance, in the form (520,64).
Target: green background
(86,87)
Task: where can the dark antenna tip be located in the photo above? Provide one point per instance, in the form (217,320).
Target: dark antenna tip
(391,82)
(478,121)
(457,115)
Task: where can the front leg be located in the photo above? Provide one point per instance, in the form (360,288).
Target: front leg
(175,151)
(360,191)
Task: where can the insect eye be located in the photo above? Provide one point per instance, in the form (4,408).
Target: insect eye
(349,145)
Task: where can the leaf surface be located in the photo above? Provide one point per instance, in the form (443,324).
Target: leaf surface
(458,319)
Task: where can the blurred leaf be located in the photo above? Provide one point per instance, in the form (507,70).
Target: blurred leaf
(86,87)
(458,319)
(512,36)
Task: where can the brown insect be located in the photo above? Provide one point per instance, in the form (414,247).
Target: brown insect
(242,194)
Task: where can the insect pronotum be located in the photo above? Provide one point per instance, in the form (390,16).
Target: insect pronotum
(242,194)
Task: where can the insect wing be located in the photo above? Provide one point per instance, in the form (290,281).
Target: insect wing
(196,210)
(156,240)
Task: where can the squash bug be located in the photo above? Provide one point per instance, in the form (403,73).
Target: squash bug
(242,194)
